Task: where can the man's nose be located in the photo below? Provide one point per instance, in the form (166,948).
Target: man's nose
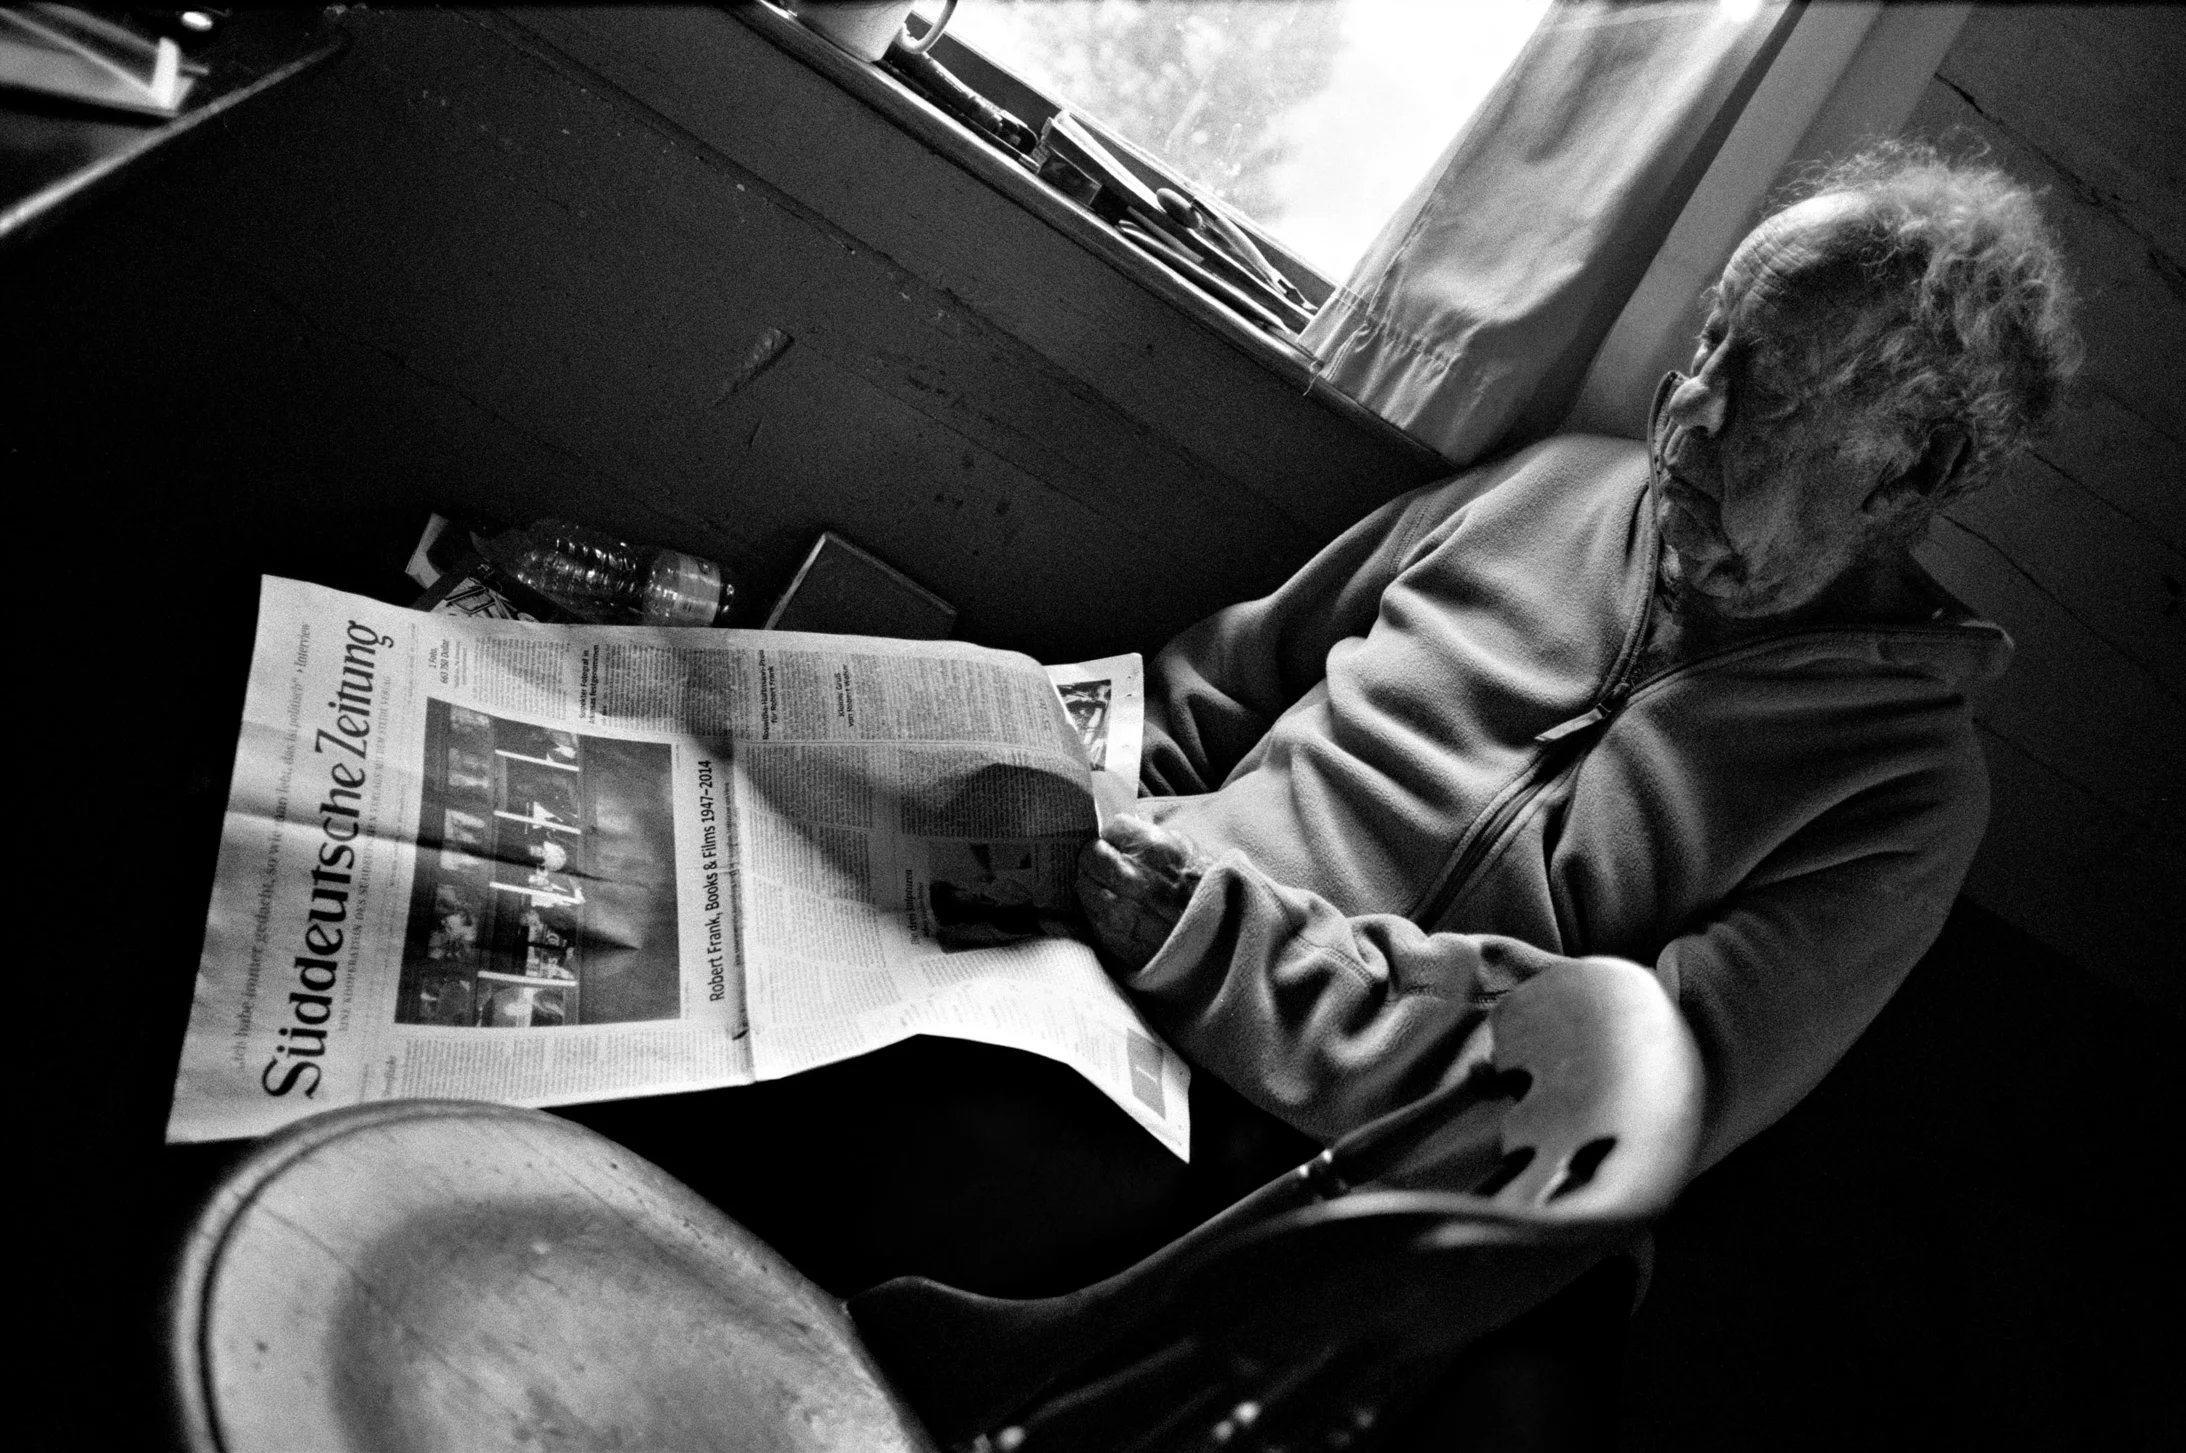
(1698,403)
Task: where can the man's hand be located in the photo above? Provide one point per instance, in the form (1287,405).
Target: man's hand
(1134,882)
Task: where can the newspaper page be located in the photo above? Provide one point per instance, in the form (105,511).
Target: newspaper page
(542,864)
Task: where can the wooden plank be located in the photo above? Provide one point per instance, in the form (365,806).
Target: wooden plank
(524,245)
(1027,567)
(890,190)
(2093,883)
(2113,454)
(407,289)
(2072,702)
(2099,90)
(2113,577)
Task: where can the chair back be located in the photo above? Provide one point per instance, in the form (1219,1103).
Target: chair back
(1581,1101)
(1571,1120)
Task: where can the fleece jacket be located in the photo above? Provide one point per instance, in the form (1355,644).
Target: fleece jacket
(1427,769)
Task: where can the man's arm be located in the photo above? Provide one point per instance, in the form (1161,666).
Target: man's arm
(1327,1021)
(1213,692)
(1321,1020)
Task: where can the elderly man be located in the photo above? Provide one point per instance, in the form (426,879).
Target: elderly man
(1690,703)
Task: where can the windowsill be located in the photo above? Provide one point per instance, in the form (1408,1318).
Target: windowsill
(996,168)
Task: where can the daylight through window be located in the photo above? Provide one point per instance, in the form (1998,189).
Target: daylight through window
(1312,117)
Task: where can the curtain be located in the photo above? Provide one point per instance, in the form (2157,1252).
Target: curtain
(1472,318)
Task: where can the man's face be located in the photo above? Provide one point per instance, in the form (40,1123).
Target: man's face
(1766,486)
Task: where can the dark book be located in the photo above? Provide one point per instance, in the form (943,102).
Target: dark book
(845,591)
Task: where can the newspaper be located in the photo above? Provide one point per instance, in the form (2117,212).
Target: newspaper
(542,864)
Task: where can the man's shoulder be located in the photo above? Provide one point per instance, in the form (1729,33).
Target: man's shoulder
(1566,479)
(1580,466)
(1568,465)
(1584,451)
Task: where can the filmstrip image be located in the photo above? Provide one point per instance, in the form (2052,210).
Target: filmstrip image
(1088,704)
(544,895)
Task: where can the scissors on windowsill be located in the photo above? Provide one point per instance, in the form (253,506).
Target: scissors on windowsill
(1191,238)
(1208,230)
(1259,304)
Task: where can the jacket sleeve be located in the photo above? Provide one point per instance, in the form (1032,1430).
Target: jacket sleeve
(1327,1021)
(1779,981)
(1215,689)
(1322,1020)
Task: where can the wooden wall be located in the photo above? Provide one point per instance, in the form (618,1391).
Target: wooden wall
(2081,552)
(513,265)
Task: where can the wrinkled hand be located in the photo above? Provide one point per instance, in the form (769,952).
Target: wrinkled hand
(1134,882)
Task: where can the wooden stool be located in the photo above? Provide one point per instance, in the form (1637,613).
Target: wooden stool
(426,1274)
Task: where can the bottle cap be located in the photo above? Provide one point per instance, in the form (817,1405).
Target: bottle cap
(684,590)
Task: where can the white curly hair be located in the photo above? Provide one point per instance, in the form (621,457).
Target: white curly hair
(1979,311)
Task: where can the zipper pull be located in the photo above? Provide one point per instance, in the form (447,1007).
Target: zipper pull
(1594,715)
(1578,723)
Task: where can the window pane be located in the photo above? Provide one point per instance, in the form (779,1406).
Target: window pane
(1312,117)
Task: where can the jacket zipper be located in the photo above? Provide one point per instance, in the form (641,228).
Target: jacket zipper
(1559,749)
(1489,827)
(1558,746)
(1487,832)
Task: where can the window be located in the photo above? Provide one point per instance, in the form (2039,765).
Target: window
(1314,118)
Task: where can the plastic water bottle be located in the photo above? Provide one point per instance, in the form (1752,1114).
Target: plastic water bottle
(605,579)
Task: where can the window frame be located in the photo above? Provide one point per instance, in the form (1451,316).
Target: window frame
(1034,106)
(1000,170)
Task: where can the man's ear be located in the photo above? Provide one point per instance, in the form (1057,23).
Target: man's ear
(1930,478)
